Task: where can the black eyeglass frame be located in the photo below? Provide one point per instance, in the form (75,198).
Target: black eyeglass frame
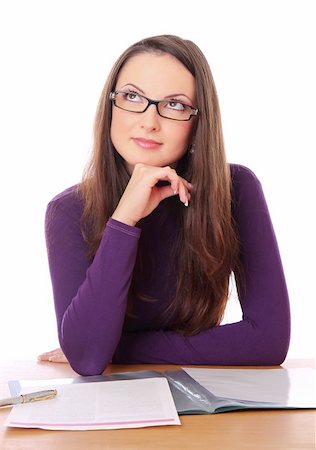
(194,113)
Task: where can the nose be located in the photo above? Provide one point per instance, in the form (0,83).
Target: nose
(150,119)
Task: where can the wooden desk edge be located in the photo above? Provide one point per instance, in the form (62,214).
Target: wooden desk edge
(289,363)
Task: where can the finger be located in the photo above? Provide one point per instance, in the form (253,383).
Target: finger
(167,173)
(58,358)
(174,179)
(183,194)
(178,184)
(175,186)
(165,192)
(187,184)
(46,355)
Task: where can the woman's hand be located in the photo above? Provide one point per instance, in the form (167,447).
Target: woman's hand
(56,356)
(142,196)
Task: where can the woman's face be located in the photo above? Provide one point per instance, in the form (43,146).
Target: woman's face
(147,137)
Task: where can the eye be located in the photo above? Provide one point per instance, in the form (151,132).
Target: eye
(176,105)
(132,96)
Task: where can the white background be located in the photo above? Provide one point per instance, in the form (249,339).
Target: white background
(55,56)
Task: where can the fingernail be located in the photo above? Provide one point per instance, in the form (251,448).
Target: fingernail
(175,192)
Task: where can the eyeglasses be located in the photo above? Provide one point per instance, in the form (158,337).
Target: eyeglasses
(168,108)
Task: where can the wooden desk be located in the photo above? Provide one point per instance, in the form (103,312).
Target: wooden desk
(255,430)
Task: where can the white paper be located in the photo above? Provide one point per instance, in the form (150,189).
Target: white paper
(292,388)
(99,405)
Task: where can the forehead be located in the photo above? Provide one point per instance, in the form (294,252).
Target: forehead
(157,75)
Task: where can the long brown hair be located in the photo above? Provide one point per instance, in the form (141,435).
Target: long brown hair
(208,244)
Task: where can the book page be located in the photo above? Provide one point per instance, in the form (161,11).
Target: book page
(291,388)
(99,405)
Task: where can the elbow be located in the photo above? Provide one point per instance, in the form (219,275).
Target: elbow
(86,363)
(281,341)
(274,357)
(273,346)
(85,358)
(88,368)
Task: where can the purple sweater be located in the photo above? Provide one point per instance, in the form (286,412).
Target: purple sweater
(91,297)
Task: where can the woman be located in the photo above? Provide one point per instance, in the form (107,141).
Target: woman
(142,251)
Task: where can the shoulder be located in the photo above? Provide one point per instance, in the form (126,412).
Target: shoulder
(67,206)
(69,196)
(241,174)
(247,190)
(68,200)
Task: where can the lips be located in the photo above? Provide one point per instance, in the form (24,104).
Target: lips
(146,143)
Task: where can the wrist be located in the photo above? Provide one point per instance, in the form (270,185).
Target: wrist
(123,219)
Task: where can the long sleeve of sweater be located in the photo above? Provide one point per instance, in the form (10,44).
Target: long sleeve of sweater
(262,336)
(90,298)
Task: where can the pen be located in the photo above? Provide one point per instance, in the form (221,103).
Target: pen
(28,398)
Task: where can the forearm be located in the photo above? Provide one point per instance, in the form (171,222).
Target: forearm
(90,302)
(242,343)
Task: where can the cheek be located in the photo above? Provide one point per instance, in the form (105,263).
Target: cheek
(117,121)
(118,127)
(181,134)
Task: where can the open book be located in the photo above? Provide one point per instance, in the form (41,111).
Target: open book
(207,391)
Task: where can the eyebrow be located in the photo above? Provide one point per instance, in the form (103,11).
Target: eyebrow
(167,96)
